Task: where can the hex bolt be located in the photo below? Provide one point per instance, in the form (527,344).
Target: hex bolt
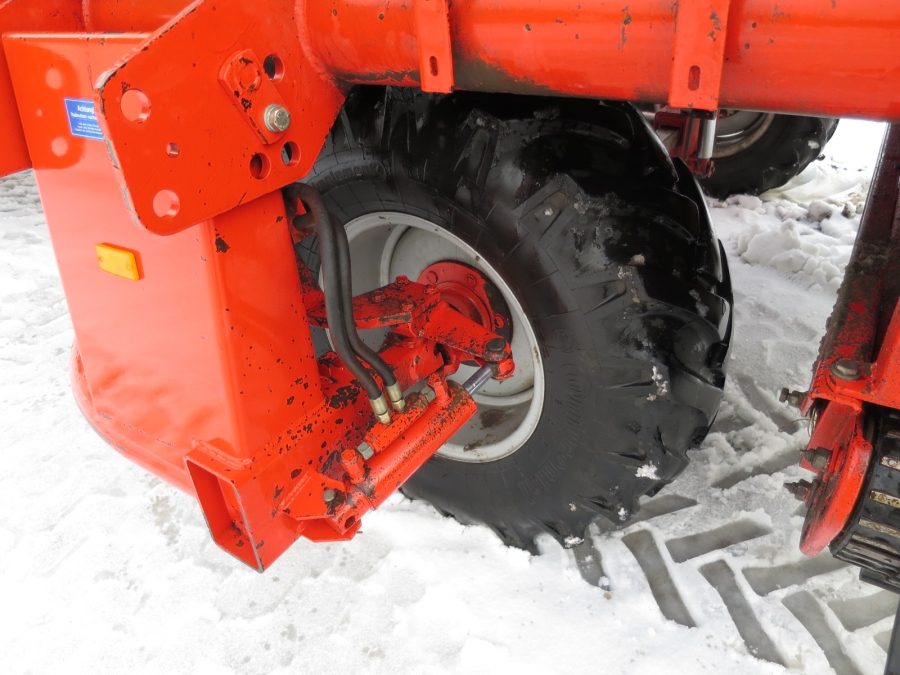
(277,118)
(792,398)
(378,296)
(402,280)
(431,289)
(845,370)
(801,489)
(818,458)
(329,495)
(356,470)
(439,385)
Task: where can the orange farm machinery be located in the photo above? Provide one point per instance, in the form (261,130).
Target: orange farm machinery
(317,250)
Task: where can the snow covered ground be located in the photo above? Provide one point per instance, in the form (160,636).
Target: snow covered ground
(105,569)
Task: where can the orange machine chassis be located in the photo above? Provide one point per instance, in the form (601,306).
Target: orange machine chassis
(163,132)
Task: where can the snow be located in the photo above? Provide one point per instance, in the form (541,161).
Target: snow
(105,569)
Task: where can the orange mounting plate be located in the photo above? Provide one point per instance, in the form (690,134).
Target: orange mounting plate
(184,151)
(698,54)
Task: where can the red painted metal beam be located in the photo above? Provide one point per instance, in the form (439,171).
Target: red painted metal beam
(801,56)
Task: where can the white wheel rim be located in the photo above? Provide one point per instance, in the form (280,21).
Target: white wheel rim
(386,244)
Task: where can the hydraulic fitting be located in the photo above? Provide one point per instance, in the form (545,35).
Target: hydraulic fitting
(395,394)
(381,409)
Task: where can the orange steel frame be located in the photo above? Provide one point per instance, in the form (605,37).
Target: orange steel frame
(203,369)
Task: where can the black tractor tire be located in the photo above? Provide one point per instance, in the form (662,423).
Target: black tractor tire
(788,145)
(608,246)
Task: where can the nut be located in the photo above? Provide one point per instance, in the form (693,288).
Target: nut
(801,489)
(277,118)
(365,450)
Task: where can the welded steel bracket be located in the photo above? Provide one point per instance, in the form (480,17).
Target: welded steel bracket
(183,151)
(435,53)
(698,54)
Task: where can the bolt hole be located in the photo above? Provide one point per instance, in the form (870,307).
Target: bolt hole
(694,78)
(434,66)
(350,522)
(259,166)
(166,204)
(135,106)
(274,67)
(172,150)
(290,154)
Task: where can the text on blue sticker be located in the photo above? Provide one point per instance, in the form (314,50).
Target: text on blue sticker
(83,119)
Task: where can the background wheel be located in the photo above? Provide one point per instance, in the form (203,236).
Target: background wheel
(603,251)
(755,151)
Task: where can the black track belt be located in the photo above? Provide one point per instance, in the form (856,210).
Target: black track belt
(871,538)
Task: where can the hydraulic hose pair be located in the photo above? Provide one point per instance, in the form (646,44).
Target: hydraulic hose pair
(334,251)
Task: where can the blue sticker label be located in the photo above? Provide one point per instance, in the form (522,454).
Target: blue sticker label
(83,119)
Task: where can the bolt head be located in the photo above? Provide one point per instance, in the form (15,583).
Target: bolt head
(431,289)
(402,280)
(845,370)
(277,118)
(329,495)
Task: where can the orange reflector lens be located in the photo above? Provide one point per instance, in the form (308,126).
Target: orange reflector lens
(118,261)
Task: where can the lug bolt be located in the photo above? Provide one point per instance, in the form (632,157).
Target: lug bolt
(431,289)
(845,370)
(499,321)
(329,495)
(801,489)
(432,277)
(277,118)
(471,280)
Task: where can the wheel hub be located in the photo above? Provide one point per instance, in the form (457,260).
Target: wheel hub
(467,291)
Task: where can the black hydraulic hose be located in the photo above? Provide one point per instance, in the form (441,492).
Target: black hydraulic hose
(334,304)
(361,349)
